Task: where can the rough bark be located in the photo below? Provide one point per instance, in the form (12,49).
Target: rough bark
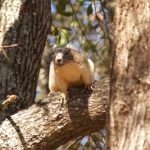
(26,24)
(46,125)
(129,121)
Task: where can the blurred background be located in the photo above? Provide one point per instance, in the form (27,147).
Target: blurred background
(83,24)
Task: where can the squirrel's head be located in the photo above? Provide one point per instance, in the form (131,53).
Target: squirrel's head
(61,55)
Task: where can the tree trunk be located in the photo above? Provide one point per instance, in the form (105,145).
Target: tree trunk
(26,24)
(47,125)
(129,121)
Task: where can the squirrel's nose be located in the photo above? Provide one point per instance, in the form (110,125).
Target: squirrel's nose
(59,60)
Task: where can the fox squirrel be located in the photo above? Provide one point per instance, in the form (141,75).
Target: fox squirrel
(69,68)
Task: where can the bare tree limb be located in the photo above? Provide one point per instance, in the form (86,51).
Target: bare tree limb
(46,125)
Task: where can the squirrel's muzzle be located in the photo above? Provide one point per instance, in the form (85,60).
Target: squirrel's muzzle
(59,59)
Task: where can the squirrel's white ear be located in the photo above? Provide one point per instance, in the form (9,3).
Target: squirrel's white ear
(71,46)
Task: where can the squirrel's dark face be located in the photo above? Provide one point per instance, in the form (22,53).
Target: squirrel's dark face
(61,55)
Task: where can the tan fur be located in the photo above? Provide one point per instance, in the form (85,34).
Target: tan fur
(70,74)
(78,56)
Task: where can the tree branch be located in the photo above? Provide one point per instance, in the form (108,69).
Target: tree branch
(47,125)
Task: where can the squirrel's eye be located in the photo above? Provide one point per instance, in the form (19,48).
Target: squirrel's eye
(67,53)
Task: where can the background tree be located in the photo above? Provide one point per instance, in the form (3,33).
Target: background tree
(130,82)
(24,24)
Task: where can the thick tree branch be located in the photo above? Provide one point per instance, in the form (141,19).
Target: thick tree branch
(47,125)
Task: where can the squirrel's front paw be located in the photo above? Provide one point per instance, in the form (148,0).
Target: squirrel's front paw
(63,99)
(91,86)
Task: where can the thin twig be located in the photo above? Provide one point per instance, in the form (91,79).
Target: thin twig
(8,46)
(96,141)
(105,23)
(76,141)
(93,14)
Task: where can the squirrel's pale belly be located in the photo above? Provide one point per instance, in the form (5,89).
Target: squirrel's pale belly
(70,72)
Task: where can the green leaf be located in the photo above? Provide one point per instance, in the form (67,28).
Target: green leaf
(89,10)
(64,36)
(55,31)
(61,6)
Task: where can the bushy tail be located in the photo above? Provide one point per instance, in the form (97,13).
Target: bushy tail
(44,71)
